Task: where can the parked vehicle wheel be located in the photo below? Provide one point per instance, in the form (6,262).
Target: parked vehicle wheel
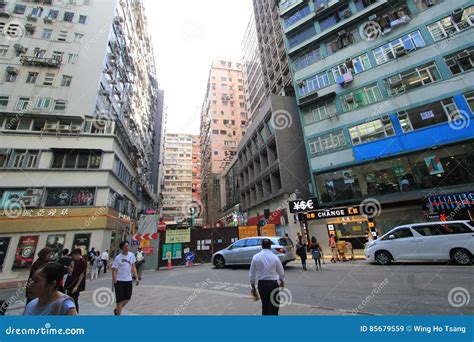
(383,258)
(219,261)
(461,257)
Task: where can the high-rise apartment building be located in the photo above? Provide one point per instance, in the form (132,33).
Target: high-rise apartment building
(252,68)
(78,96)
(177,177)
(223,123)
(387,104)
(274,60)
(196,180)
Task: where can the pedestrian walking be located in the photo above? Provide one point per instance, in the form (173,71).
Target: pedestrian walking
(48,300)
(123,268)
(140,256)
(267,269)
(301,251)
(76,282)
(105,260)
(333,246)
(66,261)
(96,262)
(316,252)
(44,256)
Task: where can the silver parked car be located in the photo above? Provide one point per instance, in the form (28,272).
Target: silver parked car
(241,252)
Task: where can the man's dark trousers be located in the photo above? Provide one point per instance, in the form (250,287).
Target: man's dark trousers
(266,290)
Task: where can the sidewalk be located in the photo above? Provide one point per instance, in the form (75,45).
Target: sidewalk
(173,301)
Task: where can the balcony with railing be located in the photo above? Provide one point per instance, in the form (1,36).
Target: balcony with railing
(51,62)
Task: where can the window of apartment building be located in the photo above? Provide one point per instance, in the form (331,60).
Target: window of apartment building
(343,40)
(68,16)
(459,21)
(37,11)
(43,103)
(78,37)
(469,96)
(361,97)
(82,19)
(3,50)
(224,79)
(11,76)
(215,131)
(39,53)
(313,83)
(301,36)
(461,61)
(225,103)
(47,34)
(413,78)
(19,9)
(319,112)
(307,59)
(66,81)
(223,132)
(428,115)
(57,55)
(73,159)
(243,115)
(334,18)
(53,14)
(59,105)
(72,58)
(355,65)
(4,101)
(32,77)
(19,159)
(62,36)
(371,131)
(327,143)
(242,105)
(216,153)
(399,47)
(49,78)
(22,103)
(229,143)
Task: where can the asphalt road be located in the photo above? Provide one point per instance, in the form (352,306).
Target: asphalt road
(399,289)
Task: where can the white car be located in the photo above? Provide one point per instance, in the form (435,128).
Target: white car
(452,240)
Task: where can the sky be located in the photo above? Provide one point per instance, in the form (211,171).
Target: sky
(187,36)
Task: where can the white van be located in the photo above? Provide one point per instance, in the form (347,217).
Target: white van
(452,240)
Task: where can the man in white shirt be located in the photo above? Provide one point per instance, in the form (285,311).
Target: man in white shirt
(122,269)
(267,269)
(105,260)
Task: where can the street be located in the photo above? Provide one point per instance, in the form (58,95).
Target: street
(339,289)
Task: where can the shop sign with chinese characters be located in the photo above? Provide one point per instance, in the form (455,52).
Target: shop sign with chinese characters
(31,213)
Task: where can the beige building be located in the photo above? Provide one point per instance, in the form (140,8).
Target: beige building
(223,124)
(77,100)
(177,177)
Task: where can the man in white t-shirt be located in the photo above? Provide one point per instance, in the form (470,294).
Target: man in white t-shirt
(122,270)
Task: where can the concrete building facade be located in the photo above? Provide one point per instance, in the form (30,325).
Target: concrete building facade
(272,165)
(386,101)
(78,97)
(252,68)
(223,123)
(274,60)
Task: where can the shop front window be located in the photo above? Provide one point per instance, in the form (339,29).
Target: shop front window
(448,166)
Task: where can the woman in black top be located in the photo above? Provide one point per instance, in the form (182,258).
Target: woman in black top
(316,252)
(301,251)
